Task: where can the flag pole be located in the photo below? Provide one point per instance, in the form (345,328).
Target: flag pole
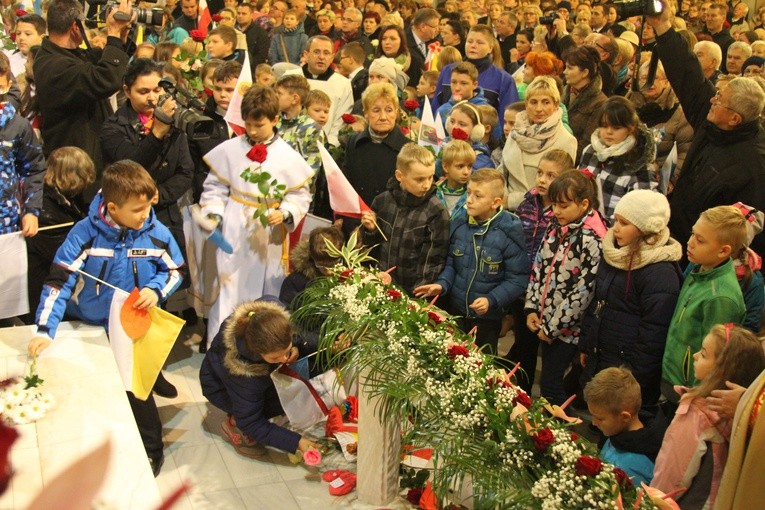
(378,229)
(94,278)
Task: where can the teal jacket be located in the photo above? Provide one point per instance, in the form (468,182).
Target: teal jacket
(706,298)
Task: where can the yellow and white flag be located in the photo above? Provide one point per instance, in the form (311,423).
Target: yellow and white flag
(141,341)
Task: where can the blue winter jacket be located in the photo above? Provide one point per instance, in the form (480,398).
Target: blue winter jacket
(445,109)
(485,260)
(125,258)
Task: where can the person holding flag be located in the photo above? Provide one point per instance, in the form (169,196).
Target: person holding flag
(119,245)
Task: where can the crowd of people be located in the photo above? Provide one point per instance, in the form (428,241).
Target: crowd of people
(599,187)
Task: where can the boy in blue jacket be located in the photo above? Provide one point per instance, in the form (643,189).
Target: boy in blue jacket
(122,243)
(487,267)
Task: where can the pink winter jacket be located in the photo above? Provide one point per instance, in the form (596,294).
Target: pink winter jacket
(685,444)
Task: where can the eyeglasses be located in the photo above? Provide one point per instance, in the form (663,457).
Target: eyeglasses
(351,20)
(716,100)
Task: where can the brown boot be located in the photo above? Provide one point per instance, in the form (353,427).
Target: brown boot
(242,444)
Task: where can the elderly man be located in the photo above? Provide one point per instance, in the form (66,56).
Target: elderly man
(351,32)
(319,55)
(606,47)
(738,52)
(422,31)
(505,26)
(726,161)
(709,55)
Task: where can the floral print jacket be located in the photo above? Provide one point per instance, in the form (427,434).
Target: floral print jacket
(563,276)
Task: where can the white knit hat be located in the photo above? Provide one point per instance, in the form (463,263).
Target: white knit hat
(388,67)
(647,210)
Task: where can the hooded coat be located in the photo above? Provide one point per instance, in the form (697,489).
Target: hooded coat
(238,382)
(303,272)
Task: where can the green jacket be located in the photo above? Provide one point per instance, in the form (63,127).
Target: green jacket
(706,298)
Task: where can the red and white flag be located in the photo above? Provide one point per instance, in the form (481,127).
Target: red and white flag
(342,197)
(234,113)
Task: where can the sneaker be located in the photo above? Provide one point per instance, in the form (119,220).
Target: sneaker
(163,388)
(242,444)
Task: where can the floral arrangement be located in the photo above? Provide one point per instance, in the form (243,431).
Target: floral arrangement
(191,65)
(519,452)
(271,189)
(22,400)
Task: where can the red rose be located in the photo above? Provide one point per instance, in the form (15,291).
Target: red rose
(411,105)
(208,91)
(588,466)
(457,350)
(405,130)
(345,275)
(459,134)
(7,437)
(522,398)
(543,439)
(258,153)
(198,35)
(622,478)
(348,118)
(20,13)
(414,495)
(216,18)
(574,436)
(393,294)
(435,317)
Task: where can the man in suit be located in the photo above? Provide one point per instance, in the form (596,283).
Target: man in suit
(423,30)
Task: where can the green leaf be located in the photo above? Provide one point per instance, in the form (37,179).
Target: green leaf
(263,187)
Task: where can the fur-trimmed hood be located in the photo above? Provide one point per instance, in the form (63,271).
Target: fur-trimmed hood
(237,359)
(301,260)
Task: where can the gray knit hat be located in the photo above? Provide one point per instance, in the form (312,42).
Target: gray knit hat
(647,210)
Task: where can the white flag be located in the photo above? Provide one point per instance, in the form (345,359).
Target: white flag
(234,113)
(14,299)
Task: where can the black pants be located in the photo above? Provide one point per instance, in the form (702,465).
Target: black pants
(525,349)
(487,332)
(149,425)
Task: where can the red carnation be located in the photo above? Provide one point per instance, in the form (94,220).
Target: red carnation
(198,35)
(405,130)
(588,466)
(348,118)
(622,478)
(411,105)
(258,153)
(393,294)
(20,13)
(414,495)
(435,317)
(459,134)
(543,439)
(522,398)
(216,18)
(345,275)
(457,350)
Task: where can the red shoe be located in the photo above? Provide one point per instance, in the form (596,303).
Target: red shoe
(242,444)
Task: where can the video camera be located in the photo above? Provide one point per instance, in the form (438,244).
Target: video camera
(638,8)
(548,20)
(188,116)
(153,17)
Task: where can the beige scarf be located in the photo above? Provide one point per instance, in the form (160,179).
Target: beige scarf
(665,249)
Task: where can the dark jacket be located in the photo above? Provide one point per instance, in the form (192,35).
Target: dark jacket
(485,260)
(582,110)
(238,382)
(303,272)
(535,218)
(258,45)
(417,66)
(722,167)
(167,160)
(73,94)
(417,232)
(359,83)
(199,148)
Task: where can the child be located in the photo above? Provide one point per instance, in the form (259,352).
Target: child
(619,154)
(613,399)
(295,127)
(510,112)
(535,213)
(221,44)
(464,87)
(563,277)
(457,159)
(748,264)
(317,105)
(288,41)
(426,91)
(412,219)
(636,291)
(121,234)
(310,260)
(487,268)
(728,353)
(251,343)
(351,65)
(464,123)
(70,171)
(710,293)
(489,120)
(258,264)
(22,163)
(264,75)
(207,73)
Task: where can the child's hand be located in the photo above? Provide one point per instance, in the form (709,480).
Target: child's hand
(37,345)
(368,220)
(276,218)
(543,337)
(432,289)
(583,359)
(148,299)
(480,306)
(533,322)
(29,225)
(306,443)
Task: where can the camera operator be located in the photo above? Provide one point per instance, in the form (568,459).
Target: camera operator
(74,85)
